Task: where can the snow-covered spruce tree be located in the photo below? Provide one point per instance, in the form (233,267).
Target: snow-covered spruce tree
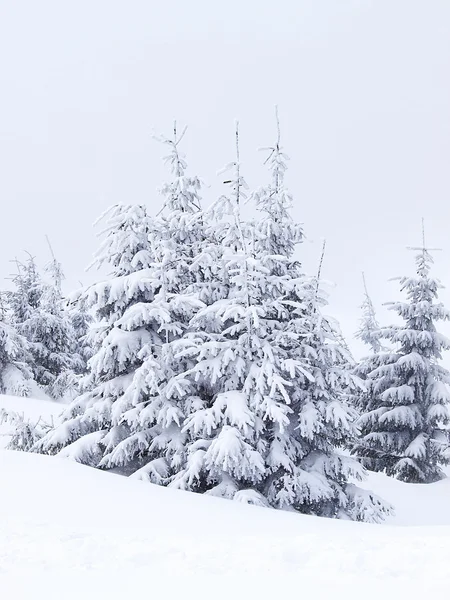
(38,313)
(60,358)
(153,407)
(129,417)
(265,395)
(15,375)
(324,478)
(369,329)
(369,333)
(307,471)
(88,419)
(225,448)
(81,320)
(25,298)
(408,398)
(22,302)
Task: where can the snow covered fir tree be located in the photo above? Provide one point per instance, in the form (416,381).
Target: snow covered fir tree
(204,361)
(405,408)
(214,369)
(15,374)
(128,412)
(268,413)
(38,313)
(369,334)
(369,330)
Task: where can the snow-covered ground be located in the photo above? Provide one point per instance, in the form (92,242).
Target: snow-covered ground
(32,408)
(68,531)
(36,411)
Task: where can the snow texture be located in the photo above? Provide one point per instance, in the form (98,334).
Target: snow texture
(72,528)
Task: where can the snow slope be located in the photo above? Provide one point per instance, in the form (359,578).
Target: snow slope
(70,531)
(73,531)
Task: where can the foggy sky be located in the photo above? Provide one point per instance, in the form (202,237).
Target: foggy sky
(363,89)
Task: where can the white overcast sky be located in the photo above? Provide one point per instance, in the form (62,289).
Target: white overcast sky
(363,88)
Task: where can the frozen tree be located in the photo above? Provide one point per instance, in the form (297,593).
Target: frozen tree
(39,314)
(25,298)
(276,233)
(319,480)
(22,303)
(153,408)
(308,472)
(117,350)
(224,449)
(81,320)
(3,305)
(57,346)
(82,323)
(369,333)
(130,416)
(15,375)
(266,396)
(214,370)
(369,330)
(407,405)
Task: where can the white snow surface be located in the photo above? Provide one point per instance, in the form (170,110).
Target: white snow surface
(70,531)
(34,410)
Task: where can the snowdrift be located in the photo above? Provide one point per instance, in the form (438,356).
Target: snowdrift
(74,532)
(68,530)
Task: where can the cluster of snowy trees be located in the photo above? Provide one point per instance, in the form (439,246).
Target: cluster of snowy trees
(43,343)
(405,407)
(212,366)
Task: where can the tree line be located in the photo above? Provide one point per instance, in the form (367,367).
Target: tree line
(205,362)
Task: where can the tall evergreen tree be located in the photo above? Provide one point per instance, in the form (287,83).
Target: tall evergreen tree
(214,369)
(369,333)
(306,470)
(38,313)
(15,375)
(407,403)
(267,389)
(223,424)
(25,298)
(117,351)
(369,329)
(153,407)
(82,321)
(60,358)
(129,417)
